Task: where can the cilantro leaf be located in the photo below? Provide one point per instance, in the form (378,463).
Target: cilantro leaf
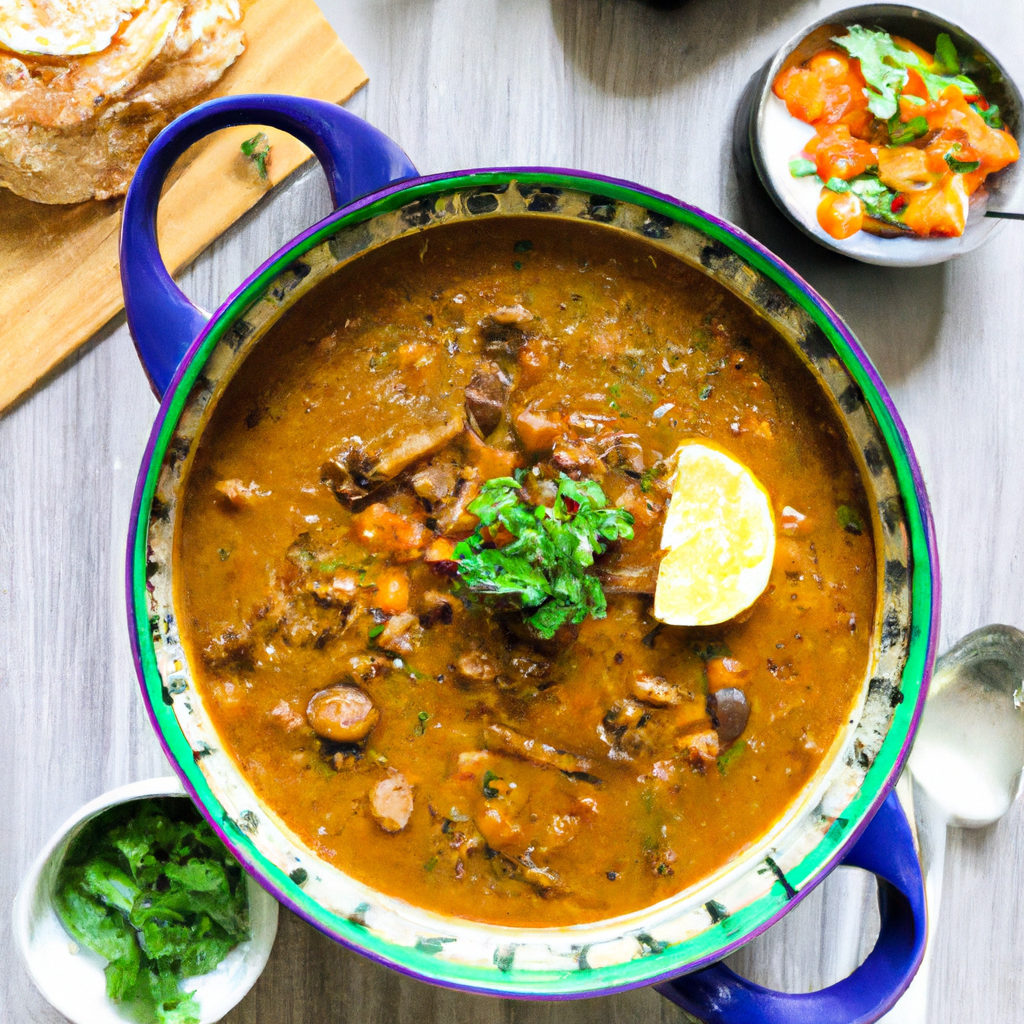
(885,68)
(543,570)
(883,65)
(257,149)
(149,887)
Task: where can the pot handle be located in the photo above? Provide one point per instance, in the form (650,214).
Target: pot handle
(356,157)
(717,995)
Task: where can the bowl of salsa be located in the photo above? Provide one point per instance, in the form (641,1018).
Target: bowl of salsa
(886,133)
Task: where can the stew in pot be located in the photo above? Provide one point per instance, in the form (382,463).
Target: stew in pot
(436,738)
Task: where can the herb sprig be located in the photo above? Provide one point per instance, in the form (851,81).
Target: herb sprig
(150,888)
(257,149)
(544,568)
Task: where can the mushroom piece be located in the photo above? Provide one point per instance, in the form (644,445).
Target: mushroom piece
(729,712)
(485,396)
(391,801)
(344,714)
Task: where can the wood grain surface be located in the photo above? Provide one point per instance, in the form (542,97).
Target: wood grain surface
(59,278)
(616,87)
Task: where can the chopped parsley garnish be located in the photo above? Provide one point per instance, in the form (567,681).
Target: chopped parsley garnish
(257,149)
(946,55)
(544,568)
(149,887)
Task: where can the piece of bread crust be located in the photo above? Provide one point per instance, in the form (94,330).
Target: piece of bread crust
(95,157)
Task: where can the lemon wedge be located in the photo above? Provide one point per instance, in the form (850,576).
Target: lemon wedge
(718,539)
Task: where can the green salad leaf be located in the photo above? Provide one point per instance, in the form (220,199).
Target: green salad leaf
(543,570)
(149,887)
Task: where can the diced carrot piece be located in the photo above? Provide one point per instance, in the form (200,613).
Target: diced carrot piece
(915,87)
(392,595)
(922,54)
(538,430)
(441,550)
(906,168)
(841,214)
(380,529)
(803,92)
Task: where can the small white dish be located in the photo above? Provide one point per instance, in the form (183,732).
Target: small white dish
(776,137)
(71,978)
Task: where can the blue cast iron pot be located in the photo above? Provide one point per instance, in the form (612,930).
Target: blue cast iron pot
(847,814)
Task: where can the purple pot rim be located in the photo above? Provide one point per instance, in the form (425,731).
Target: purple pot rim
(928,526)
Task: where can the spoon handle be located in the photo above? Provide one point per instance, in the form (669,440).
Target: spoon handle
(1004,214)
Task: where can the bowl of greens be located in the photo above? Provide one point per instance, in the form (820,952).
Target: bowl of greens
(136,910)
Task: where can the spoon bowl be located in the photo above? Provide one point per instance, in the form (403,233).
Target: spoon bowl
(969,751)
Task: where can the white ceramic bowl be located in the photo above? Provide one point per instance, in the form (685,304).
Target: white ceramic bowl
(776,137)
(71,978)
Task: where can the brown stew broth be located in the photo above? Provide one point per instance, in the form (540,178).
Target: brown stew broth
(275,587)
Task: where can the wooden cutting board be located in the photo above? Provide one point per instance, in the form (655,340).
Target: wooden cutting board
(59,279)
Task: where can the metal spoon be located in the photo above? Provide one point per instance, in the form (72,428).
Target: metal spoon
(966,764)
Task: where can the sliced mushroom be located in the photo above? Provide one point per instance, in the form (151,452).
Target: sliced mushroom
(729,712)
(485,396)
(391,802)
(414,447)
(344,714)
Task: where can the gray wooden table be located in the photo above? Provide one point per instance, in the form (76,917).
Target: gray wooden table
(611,86)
